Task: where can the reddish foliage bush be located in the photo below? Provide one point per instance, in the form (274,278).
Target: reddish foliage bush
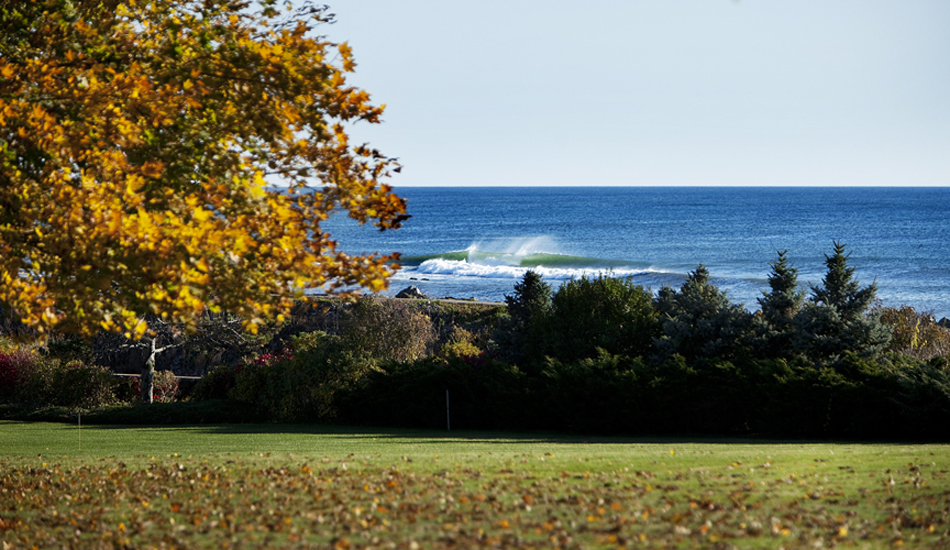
(14,369)
(41,381)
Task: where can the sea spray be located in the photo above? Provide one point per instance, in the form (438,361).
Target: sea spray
(510,251)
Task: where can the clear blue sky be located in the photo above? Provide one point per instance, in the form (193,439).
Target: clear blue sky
(658,92)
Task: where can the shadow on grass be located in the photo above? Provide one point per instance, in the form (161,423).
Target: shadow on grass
(178,413)
(227,417)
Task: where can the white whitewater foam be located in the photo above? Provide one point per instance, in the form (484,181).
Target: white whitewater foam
(496,271)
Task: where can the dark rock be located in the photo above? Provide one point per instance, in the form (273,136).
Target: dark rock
(410,292)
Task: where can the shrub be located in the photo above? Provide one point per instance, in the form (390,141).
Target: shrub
(302,385)
(917,335)
(75,384)
(922,398)
(597,394)
(14,370)
(41,381)
(492,395)
(36,385)
(217,383)
(165,386)
(67,348)
(460,344)
(604,313)
(388,329)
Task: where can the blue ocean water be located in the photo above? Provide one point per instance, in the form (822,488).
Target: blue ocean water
(478,242)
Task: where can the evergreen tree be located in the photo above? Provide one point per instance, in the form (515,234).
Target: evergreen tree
(531,301)
(836,319)
(839,287)
(775,326)
(699,322)
(528,308)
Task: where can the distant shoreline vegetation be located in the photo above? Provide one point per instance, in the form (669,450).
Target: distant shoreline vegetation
(597,355)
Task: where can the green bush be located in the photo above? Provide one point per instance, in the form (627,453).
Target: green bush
(67,348)
(603,313)
(922,397)
(302,383)
(217,383)
(600,394)
(78,385)
(36,384)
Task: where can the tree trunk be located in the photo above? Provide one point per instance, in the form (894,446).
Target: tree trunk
(148,375)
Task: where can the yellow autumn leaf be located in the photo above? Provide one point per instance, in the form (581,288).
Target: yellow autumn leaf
(202,215)
(257,185)
(140,328)
(134,183)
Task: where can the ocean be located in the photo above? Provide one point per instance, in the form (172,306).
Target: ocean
(477,242)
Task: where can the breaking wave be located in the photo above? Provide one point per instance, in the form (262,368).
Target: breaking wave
(474,262)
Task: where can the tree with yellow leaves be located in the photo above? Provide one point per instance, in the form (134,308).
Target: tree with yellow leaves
(137,138)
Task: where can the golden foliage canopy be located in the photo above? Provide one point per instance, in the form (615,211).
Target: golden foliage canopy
(136,140)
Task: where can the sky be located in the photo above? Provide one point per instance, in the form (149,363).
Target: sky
(655,92)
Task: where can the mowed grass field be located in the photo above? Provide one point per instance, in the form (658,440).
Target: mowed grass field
(295,486)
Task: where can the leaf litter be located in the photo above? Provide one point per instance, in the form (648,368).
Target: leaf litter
(181,503)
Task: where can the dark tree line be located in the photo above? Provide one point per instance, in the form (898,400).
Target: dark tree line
(697,321)
(603,355)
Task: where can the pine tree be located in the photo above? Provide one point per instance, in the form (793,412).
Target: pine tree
(531,300)
(836,319)
(840,289)
(528,309)
(699,322)
(776,324)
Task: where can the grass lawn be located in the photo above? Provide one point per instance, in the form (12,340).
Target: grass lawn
(290,486)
